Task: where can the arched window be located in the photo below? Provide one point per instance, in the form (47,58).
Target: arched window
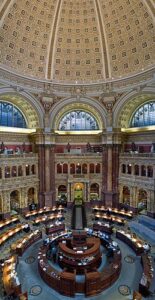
(59,168)
(136,170)
(84,169)
(150,171)
(123,168)
(78,120)
(65,168)
(78,168)
(144,115)
(91,168)
(33,169)
(11,116)
(7,172)
(98,168)
(143,170)
(72,169)
(14,171)
(20,171)
(27,170)
(129,169)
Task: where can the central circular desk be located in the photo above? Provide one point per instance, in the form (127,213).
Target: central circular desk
(79,253)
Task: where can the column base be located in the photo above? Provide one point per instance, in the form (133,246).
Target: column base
(23,210)
(128,207)
(49,198)
(4,216)
(151,214)
(41,200)
(110,199)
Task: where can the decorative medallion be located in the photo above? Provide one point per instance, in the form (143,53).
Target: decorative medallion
(30,259)
(129,259)
(35,290)
(124,290)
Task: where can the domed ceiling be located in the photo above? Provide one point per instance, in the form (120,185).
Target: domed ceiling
(77,40)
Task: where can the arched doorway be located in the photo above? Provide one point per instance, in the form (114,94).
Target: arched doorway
(78,193)
(62,195)
(94,191)
(15,201)
(126,195)
(142,199)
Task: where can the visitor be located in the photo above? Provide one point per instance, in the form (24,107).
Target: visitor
(68,147)
(26,227)
(46,241)
(146,247)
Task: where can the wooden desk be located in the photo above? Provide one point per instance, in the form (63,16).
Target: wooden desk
(5,236)
(147,275)
(86,259)
(65,282)
(44,210)
(9,277)
(111,273)
(135,243)
(111,219)
(93,283)
(103,227)
(48,218)
(137,296)
(52,228)
(113,211)
(8,222)
(21,245)
(50,275)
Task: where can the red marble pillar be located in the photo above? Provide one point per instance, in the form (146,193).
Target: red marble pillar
(52,170)
(41,174)
(110,175)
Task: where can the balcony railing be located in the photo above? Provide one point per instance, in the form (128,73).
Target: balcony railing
(137,154)
(19,155)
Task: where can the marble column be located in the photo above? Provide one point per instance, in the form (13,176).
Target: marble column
(41,173)
(110,175)
(151,209)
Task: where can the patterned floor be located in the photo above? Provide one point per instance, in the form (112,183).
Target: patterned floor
(37,289)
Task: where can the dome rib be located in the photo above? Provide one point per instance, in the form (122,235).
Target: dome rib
(105,51)
(52,42)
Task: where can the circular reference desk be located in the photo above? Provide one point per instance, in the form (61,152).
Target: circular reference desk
(80,258)
(65,281)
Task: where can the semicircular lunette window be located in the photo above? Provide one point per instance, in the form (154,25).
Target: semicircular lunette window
(10,116)
(78,120)
(144,115)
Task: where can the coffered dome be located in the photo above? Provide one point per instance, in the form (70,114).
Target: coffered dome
(77,40)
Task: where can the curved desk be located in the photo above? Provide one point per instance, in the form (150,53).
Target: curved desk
(135,243)
(65,282)
(9,277)
(147,275)
(82,258)
(21,245)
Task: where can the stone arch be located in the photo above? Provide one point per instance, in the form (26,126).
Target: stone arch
(62,194)
(87,104)
(94,191)
(15,200)
(142,199)
(127,105)
(126,195)
(32,195)
(27,104)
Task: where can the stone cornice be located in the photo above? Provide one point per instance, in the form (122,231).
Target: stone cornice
(9,77)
